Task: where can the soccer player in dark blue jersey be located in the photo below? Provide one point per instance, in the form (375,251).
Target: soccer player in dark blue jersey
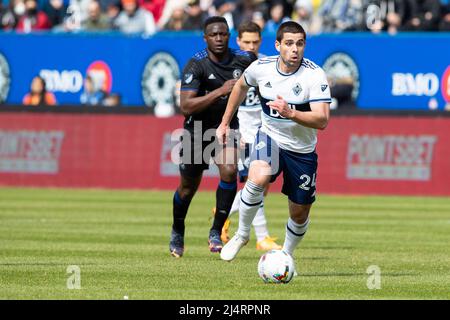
(207,81)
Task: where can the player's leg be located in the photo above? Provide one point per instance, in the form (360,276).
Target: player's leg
(264,241)
(300,187)
(243,167)
(251,199)
(296,226)
(225,193)
(243,164)
(181,201)
(264,168)
(191,171)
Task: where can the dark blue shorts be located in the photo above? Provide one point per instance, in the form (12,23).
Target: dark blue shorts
(299,169)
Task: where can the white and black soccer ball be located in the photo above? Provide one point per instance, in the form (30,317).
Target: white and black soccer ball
(276,266)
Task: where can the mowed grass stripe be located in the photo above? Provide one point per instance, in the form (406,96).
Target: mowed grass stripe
(119,239)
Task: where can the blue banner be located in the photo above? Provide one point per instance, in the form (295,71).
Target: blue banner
(406,71)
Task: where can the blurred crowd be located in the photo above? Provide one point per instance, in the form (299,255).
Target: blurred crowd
(151,16)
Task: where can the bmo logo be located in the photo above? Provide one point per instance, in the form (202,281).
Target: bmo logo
(421,84)
(71,81)
(62,81)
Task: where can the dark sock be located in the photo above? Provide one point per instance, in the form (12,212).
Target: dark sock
(180,208)
(226,191)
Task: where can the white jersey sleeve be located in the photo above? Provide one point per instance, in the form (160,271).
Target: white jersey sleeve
(319,89)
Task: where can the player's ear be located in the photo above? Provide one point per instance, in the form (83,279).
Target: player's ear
(277,45)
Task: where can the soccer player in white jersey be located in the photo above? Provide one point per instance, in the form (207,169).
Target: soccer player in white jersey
(249,115)
(295,99)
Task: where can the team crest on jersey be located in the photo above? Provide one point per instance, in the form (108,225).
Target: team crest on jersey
(237,73)
(323,87)
(297,89)
(188,77)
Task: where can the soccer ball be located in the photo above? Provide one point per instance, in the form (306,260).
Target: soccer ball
(276,266)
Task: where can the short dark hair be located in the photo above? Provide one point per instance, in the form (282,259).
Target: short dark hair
(214,19)
(248,26)
(289,27)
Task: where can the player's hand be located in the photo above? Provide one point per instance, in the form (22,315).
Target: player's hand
(222,133)
(228,86)
(242,143)
(280,105)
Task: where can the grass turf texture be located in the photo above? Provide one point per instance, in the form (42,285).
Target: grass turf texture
(119,239)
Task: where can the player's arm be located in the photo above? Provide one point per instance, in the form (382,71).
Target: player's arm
(190,103)
(238,95)
(317,118)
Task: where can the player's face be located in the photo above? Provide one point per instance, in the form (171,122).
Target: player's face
(249,41)
(292,48)
(216,37)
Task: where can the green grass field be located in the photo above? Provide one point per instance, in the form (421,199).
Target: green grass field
(119,240)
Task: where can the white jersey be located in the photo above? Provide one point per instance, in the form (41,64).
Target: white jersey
(300,88)
(249,114)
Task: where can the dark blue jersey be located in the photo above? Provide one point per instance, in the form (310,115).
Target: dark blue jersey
(202,75)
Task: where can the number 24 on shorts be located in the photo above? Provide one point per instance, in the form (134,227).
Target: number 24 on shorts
(306,181)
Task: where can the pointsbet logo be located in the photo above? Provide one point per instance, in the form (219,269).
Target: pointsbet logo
(390,157)
(25,151)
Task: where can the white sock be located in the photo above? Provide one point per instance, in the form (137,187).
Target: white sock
(236,202)
(260,224)
(294,234)
(251,198)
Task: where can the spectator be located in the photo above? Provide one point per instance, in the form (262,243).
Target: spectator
(338,16)
(177,20)
(258,18)
(167,11)
(113,10)
(277,17)
(91,95)
(425,16)
(55,11)
(134,19)
(33,19)
(227,9)
(303,13)
(112,100)
(195,16)
(445,20)
(96,19)
(155,7)
(246,8)
(38,95)
(81,8)
(386,15)
(10,16)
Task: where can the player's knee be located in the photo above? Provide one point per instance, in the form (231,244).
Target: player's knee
(228,173)
(187,192)
(260,173)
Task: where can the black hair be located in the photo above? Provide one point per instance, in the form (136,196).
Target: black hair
(289,27)
(42,94)
(214,19)
(248,26)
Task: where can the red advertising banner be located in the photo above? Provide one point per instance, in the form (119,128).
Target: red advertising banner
(357,154)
